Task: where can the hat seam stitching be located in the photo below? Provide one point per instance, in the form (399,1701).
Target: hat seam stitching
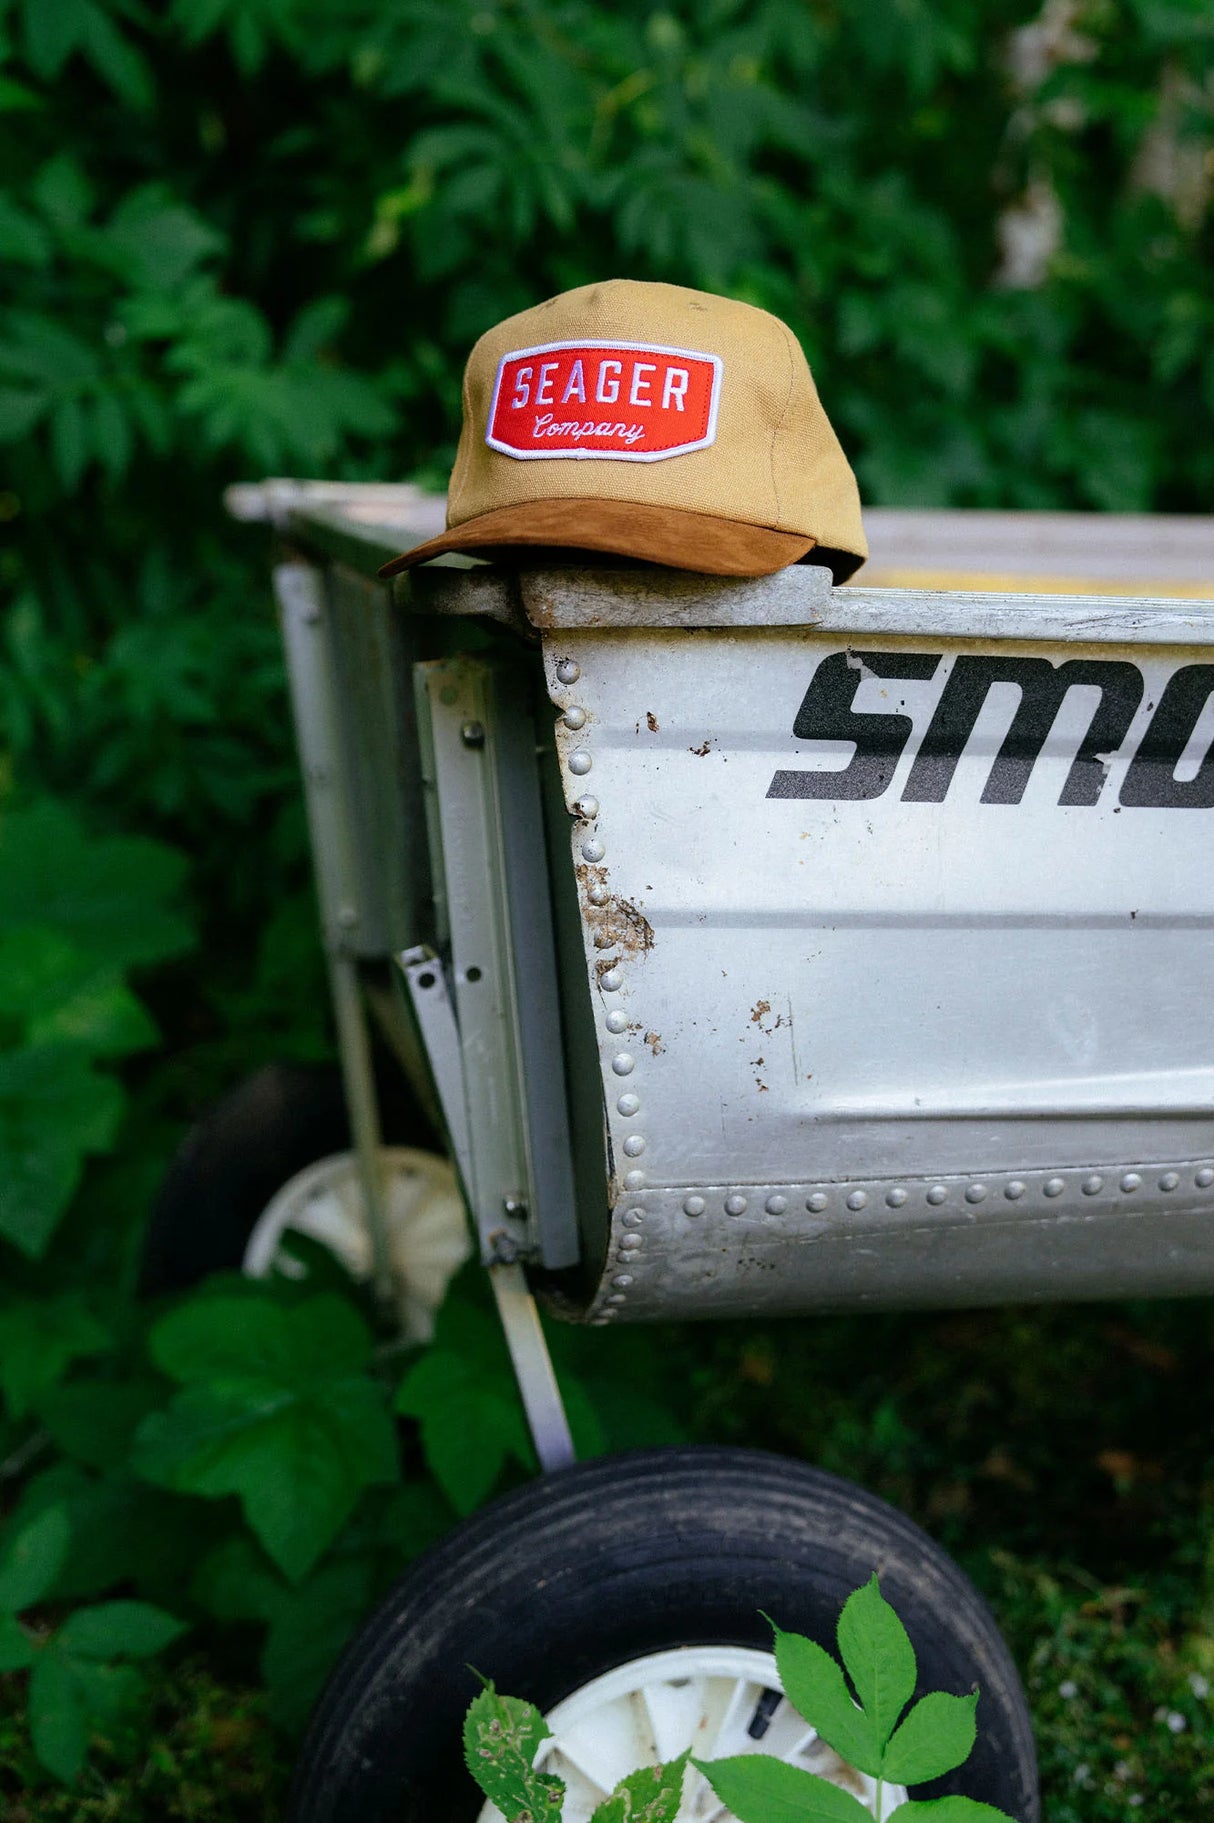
(775,486)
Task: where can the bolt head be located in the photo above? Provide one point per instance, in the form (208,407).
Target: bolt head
(568,672)
(587,808)
(472,734)
(623,1063)
(580,762)
(629,1104)
(592,849)
(611,980)
(574,718)
(617,1022)
(634,1145)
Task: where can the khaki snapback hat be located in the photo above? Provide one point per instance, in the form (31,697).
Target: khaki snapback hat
(652,422)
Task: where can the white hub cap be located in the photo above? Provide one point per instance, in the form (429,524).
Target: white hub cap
(427,1227)
(717,1700)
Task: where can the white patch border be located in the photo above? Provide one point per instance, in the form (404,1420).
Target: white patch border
(607,455)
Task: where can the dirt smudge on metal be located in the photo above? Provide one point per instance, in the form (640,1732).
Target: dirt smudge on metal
(617,924)
(651,721)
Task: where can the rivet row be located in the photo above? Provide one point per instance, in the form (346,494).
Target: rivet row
(735,1203)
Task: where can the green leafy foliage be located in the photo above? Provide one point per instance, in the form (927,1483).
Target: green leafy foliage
(80,1683)
(277,1407)
(39,1340)
(249,234)
(76,913)
(653,1794)
(762,1790)
(936,1736)
(501,1737)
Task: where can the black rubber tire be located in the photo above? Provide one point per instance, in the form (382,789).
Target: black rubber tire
(566,1578)
(277,1122)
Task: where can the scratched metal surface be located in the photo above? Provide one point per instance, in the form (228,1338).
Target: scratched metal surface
(822,992)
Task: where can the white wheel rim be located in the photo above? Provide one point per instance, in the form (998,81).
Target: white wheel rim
(427,1229)
(652,1709)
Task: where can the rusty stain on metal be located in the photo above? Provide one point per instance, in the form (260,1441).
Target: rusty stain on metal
(654,1041)
(760,1012)
(616,923)
(702,750)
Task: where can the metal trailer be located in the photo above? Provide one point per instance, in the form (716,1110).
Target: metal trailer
(764,947)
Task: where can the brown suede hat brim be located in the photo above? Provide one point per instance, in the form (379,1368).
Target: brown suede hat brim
(656,534)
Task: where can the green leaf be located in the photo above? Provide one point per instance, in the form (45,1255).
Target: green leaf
(51,34)
(54,1109)
(814,1685)
(938,1734)
(20,411)
(110,54)
(502,1735)
(277,1411)
(60,1724)
(107,893)
(760,1789)
(22,236)
(39,1340)
(63,192)
(16,98)
(248,1338)
(877,1656)
(69,441)
(17,1649)
(70,1699)
(652,1795)
(463,1392)
(158,240)
(235,1582)
(309,1626)
(949,1810)
(94,1421)
(119,1629)
(31,1559)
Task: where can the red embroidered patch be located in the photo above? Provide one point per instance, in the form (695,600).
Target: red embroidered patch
(623,401)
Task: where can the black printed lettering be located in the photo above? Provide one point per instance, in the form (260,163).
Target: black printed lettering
(826,714)
(1151,781)
(1043,686)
